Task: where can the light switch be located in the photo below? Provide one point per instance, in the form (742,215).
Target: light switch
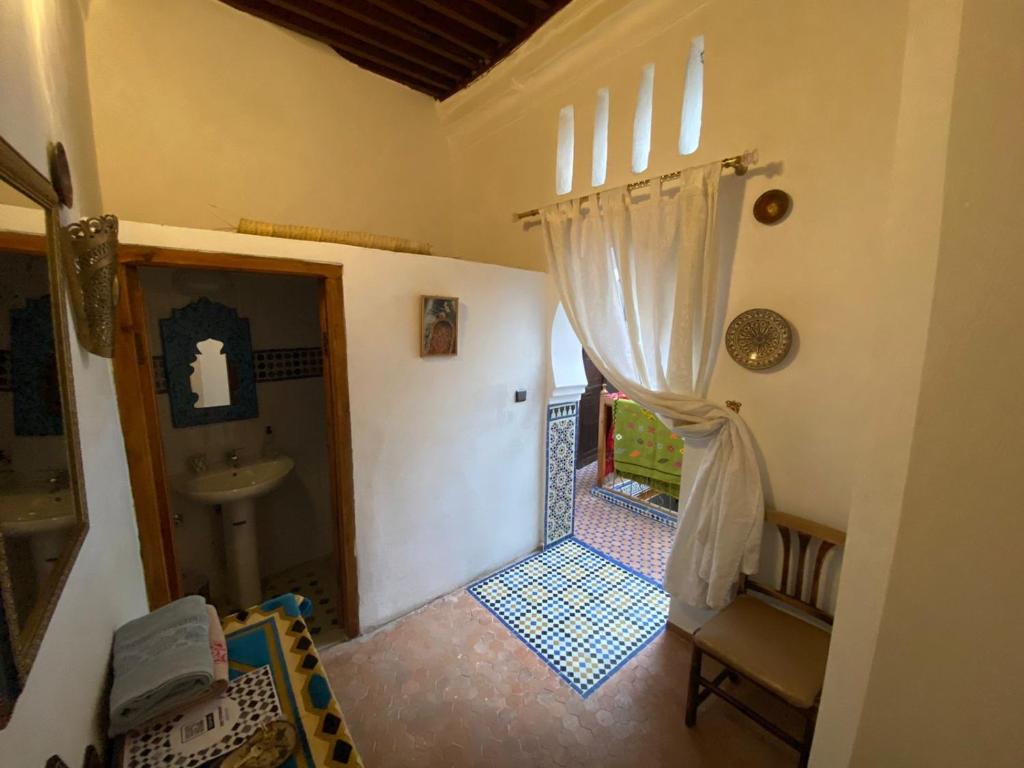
(520,395)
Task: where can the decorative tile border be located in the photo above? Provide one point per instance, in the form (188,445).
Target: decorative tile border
(633,506)
(560,472)
(288,363)
(270,365)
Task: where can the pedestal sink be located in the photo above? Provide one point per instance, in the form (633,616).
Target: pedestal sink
(42,516)
(236,490)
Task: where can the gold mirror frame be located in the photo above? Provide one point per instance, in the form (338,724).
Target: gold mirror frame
(26,636)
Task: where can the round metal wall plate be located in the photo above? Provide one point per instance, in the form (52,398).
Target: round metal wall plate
(60,175)
(772,206)
(758,339)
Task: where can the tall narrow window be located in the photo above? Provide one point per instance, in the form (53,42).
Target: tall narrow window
(642,120)
(599,170)
(563,160)
(693,99)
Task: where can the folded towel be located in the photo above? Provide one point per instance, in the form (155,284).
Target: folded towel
(219,652)
(161,662)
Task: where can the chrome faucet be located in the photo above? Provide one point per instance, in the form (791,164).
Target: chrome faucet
(231,457)
(58,480)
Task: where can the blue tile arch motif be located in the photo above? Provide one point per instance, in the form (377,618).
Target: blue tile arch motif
(33,375)
(181,332)
(560,472)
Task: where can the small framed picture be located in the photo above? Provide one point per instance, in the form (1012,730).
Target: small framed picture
(439,327)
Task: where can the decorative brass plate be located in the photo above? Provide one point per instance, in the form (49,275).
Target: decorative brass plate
(758,339)
(772,206)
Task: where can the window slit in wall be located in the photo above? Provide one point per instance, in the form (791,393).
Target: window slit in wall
(599,169)
(693,99)
(642,120)
(564,158)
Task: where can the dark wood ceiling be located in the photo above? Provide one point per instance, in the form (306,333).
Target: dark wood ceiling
(435,46)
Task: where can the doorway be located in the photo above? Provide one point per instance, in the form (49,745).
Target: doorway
(215,381)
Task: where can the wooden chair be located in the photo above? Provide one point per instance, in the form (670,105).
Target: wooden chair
(778,651)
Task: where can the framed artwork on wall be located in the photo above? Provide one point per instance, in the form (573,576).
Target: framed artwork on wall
(439,326)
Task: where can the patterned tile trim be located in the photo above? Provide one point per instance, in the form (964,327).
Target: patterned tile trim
(270,365)
(560,472)
(291,363)
(633,506)
(583,613)
(275,633)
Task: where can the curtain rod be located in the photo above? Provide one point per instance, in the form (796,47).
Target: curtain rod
(738,163)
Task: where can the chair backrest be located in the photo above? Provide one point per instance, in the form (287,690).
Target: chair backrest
(795,588)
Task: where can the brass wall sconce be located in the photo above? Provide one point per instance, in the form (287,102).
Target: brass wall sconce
(90,263)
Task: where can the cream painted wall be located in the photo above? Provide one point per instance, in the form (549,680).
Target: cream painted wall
(45,98)
(448,469)
(945,686)
(832,154)
(204,114)
(899,298)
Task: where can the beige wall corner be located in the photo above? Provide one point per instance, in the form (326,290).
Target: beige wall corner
(899,292)
(205,115)
(945,686)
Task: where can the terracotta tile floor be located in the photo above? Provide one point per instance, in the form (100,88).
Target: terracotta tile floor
(449,686)
(640,542)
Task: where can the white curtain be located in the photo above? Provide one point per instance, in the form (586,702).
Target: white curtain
(642,283)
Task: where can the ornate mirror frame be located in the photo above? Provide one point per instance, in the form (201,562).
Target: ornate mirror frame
(25,637)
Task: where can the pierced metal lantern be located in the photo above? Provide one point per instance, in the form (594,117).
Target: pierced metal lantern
(90,258)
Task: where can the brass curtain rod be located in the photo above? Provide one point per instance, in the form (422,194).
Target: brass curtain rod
(738,163)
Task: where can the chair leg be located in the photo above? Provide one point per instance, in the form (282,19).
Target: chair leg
(693,688)
(805,749)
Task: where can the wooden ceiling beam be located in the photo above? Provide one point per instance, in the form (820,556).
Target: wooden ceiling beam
(281,18)
(365,12)
(421,17)
(467,15)
(398,77)
(504,13)
(373,41)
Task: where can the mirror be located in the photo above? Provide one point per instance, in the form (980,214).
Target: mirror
(209,379)
(208,364)
(42,510)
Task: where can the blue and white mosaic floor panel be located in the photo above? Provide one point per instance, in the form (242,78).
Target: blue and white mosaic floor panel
(583,613)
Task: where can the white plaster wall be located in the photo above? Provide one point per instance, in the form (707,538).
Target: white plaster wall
(44,94)
(448,469)
(945,685)
(205,114)
(822,114)
(294,523)
(900,299)
(817,88)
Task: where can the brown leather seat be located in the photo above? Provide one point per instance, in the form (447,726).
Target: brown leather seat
(778,650)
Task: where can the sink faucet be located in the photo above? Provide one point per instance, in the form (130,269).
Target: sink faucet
(231,457)
(58,480)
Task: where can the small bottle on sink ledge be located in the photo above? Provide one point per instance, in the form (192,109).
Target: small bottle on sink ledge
(269,450)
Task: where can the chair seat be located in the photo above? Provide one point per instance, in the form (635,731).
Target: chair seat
(781,652)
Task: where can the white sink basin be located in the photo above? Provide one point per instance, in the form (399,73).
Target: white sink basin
(25,512)
(223,484)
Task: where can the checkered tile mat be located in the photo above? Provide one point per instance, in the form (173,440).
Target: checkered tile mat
(584,614)
(317,581)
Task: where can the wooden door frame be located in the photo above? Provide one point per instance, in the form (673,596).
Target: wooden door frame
(136,395)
